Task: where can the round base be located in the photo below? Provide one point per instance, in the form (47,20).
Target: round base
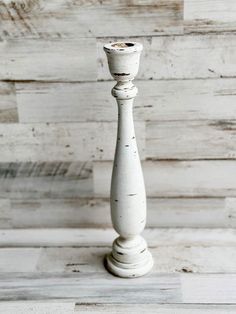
(126,270)
(129,257)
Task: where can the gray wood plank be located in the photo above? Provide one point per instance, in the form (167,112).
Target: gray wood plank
(168,259)
(182,57)
(156,308)
(95,212)
(44,60)
(62,141)
(105,288)
(40,19)
(213,178)
(209,16)
(191,139)
(8,106)
(90,288)
(40,180)
(101,237)
(157,100)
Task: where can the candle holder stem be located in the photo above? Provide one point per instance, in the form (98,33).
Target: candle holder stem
(130,256)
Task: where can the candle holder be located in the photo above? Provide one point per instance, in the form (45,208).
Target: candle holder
(130,256)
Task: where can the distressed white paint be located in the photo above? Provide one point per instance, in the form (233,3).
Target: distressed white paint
(60,141)
(209,16)
(171,258)
(191,139)
(223,11)
(183,57)
(130,256)
(94,212)
(178,178)
(63,19)
(160,100)
(100,237)
(103,288)
(48,60)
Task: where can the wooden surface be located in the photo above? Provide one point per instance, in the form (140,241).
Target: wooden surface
(52,269)
(58,120)
(91,212)
(57,136)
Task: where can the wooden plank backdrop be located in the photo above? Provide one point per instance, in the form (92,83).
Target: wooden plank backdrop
(58,120)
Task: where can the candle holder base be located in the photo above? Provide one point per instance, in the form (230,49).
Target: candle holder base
(129,258)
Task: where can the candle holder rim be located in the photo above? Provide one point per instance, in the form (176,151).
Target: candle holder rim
(116,47)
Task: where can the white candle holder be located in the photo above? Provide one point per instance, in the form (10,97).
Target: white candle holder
(130,256)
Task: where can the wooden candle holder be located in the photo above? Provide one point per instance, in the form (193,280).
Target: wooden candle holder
(130,256)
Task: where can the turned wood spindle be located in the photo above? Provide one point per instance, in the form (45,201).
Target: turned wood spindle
(130,256)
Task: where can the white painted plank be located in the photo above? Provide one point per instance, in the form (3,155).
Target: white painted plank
(191,139)
(5,213)
(209,15)
(222,11)
(57,102)
(177,178)
(182,57)
(157,100)
(95,212)
(219,288)
(156,308)
(62,142)
(36,307)
(90,288)
(54,60)
(191,212)
(102,237)
(18,260)
(8,106)
(168,259)
(43,19)
(55,213)
(105,288)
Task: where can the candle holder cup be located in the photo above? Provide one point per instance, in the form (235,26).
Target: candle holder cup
(130,256)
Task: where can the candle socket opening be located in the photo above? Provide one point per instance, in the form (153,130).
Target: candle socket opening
(122,45)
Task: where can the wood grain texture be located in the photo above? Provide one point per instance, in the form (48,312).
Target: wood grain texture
(100,237)
(96,140)
(90,288)
(40,180)
(156,308)
(208,288)
(177,178)
(62,142)
(168,259)
(209,16)
(95,212)
(32,307)
(96,288)
(8,104)
(191,139)
(40,19)
(202,99)
(182,57)
(48,60)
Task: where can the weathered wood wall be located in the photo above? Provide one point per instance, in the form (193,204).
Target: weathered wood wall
(58,120)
